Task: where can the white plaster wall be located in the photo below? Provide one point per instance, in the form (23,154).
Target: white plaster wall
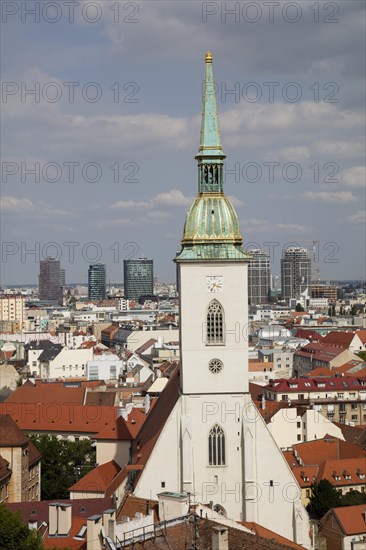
(77,358)
(195,354)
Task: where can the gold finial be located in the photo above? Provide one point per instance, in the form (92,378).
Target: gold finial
(208,57)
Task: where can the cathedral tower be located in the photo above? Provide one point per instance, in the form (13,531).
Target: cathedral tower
(213,273)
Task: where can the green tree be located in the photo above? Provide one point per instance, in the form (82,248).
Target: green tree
(362,355)
(353,498)
(14,534)
(63,463)
(324,497)
(299,307)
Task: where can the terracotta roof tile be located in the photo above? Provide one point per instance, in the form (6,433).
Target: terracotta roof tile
(98,479)
(60,417)
(267,534)
(351,519)
(319,450)
(10,434)
(117,430)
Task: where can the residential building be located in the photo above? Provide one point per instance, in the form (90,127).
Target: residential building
(355,341)
(321,354)
(20,464)
(341,463)
(49,281)
(340,399)
(68,363)
(259,277)
(295,273)
(106,366)
(344,528)
(12,312)
(97,282)
(138,278)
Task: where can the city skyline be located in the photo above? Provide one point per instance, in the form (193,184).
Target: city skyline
(147,121)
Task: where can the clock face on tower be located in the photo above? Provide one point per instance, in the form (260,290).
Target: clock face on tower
(214,284)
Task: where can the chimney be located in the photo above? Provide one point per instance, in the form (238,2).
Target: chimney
(263,402)
(59,519)
(109,521)
(147,403)
(220,537)
(94,527)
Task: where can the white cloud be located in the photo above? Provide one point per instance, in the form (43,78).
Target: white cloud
(40,210)
(354,177)
(340,197)
(12,204)
(292,227)
(357,217)
(349,149)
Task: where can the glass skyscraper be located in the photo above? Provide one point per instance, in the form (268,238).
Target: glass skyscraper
(97,286)
(138,278)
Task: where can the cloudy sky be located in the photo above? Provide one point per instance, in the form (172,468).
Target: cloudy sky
(98,162)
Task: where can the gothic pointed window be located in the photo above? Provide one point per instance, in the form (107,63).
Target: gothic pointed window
(216,446)
(215,324)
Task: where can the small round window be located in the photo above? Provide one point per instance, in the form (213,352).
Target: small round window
(215,366)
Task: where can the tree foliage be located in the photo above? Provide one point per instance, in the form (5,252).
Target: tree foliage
(63,463)
(299,307)
(362,355)
(14,534)
(353,498)
(324,497)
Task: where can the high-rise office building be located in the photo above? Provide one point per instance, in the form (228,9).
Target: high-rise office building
(62,277)
(49,281)
(97,286)
(138,278)
(259,277)
(295,272)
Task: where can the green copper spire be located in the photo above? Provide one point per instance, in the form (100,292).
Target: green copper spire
(210,143)
(211,231)
(210,154)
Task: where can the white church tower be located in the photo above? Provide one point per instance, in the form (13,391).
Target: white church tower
(213,443)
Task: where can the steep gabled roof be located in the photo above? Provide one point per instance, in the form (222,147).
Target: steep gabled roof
(340,338)
(115,431)
(351,519)
(328,448)
(10,434)
(98,479)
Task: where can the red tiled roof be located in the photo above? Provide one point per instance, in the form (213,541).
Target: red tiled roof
(351,519)
(259,366)
(362,335)
(69,541)
(146,345)
(10,434)
(351,466)
(98,479)
(115,431)
(283,385)
(319,450)
(60,417)
(267,534)
(50,392)
(309,334)
(340,338)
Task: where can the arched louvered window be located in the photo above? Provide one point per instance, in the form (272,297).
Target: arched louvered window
(215,324)
(216,446)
